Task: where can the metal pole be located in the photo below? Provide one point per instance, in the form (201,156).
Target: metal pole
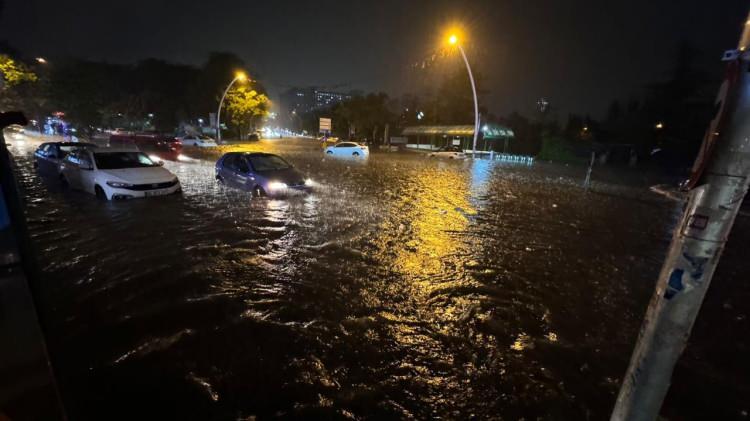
(218,113)
(719,186)
(476,103)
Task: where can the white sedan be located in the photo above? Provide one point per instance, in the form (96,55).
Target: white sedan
(111,173)
(448,152)
(198,140)
(348,149)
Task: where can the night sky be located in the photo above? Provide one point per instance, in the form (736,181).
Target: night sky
(579,54)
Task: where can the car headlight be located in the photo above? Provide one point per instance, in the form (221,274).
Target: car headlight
(277,186)
(308,182)
(118,184)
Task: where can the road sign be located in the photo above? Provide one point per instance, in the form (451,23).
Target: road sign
(325,125)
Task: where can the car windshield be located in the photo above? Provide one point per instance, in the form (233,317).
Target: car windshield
(119,160)
(66,149)
(268,163)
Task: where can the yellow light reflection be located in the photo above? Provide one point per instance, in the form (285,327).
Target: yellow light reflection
(437,210)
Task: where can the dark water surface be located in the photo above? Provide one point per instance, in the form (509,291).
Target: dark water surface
(403,287)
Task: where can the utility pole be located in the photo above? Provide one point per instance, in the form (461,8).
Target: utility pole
(718,185)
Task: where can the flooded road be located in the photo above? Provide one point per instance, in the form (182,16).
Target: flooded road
(403,287)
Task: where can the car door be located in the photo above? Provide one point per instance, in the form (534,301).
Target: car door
(227,169)
(86,171)
(41,157)
(51,159)
(70,170)
(242,173)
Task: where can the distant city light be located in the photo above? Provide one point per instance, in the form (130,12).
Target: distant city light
(659,125)
(150,115)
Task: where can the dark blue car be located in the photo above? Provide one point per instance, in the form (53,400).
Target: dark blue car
(264,174)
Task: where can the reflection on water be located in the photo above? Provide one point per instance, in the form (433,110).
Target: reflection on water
(401,287)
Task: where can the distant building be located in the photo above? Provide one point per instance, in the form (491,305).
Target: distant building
(304,100)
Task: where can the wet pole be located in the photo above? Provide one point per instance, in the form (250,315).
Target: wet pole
(719,183)
(476,103)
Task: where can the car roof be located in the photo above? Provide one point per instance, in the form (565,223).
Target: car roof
(257,154)
(113,150)
(81,144)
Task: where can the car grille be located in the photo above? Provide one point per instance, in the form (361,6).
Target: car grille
(153,186)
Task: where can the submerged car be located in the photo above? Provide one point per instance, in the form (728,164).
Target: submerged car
(448,152)
(348,149)
(49,155)
(111,174)
(200,141)
(263,174)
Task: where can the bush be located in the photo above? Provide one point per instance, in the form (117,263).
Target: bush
(559,149)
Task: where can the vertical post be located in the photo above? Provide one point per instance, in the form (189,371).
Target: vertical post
(218,113)
(476,103)
(720,183)
(587,181)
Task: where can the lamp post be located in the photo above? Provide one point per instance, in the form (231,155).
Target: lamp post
(240,76)
(453,40)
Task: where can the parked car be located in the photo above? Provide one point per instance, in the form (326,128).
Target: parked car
(112,173)
(49,155)
(348,149)
(201,141)
(448,152)
(253,137)
(153,143)
(263,174)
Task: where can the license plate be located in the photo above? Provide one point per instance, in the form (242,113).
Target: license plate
(156,193)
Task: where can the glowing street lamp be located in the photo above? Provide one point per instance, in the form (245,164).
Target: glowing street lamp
(41,60)
(239,76)
(453,40)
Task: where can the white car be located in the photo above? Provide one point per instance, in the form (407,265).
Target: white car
(348,149)
(448,152)
(198,140)
(111,174)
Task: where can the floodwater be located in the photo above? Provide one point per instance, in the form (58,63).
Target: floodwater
(403,287)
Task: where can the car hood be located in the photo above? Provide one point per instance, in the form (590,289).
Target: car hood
(287,175)
(143,175)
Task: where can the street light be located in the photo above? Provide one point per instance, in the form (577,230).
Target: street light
(453,40)
(239,76)
(41,60)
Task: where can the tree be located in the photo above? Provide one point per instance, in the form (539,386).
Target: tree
(15,82)
(364,115)
(246,107)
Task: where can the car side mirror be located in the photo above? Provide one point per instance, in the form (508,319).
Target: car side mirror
(84,165)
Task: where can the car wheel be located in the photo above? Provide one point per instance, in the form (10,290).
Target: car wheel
(100,193)
(259,192)
(355,154)
(329,152)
